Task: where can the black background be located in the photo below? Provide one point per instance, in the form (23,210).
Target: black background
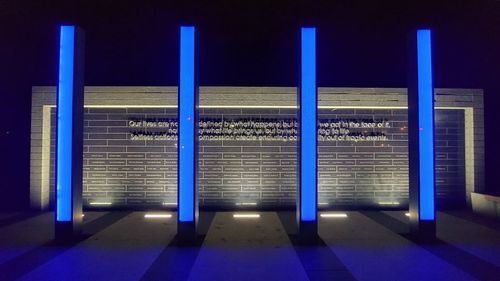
(253,43)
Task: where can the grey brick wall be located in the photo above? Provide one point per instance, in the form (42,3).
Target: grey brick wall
(138,174)
(375,173)
(131,173)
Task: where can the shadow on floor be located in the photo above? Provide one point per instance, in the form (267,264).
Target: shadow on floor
(473,265)
(176,260)
(387,221)
(318,260)
(468,215)
(18,218)
(477,267)
(25,263)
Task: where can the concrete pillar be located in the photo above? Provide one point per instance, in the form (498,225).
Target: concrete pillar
(307,195)
(187,137)
(69,141)
(421,136)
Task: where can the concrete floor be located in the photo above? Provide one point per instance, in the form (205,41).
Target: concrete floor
(367,245)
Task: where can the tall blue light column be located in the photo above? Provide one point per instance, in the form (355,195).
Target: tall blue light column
(421,136)
(188,136)
(69,140)
(307,148)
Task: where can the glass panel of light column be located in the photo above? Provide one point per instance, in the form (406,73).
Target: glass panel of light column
(308,130)
(426,125)
(186,124)
(64,124)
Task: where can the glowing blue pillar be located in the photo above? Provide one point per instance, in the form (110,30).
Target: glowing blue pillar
(421,135)
(188,136)
(69,140)
(307,106)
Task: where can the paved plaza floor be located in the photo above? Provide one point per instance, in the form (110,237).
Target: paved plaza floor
(365,245)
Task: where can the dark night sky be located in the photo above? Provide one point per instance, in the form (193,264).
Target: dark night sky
(360,43)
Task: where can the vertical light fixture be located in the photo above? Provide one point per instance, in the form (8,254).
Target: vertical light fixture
(421,135)
(188,135)
(426,125)
(65,122)
(307,106)
(69,142)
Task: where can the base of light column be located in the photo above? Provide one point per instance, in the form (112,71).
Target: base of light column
(308,232)
(423,231)
(187,233)
(67,232)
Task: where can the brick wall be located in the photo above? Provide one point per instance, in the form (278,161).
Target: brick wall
(138,174)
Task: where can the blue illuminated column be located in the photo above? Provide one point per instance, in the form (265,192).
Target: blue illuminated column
(69,140)
(307,147)
(421,135)
(188,135)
